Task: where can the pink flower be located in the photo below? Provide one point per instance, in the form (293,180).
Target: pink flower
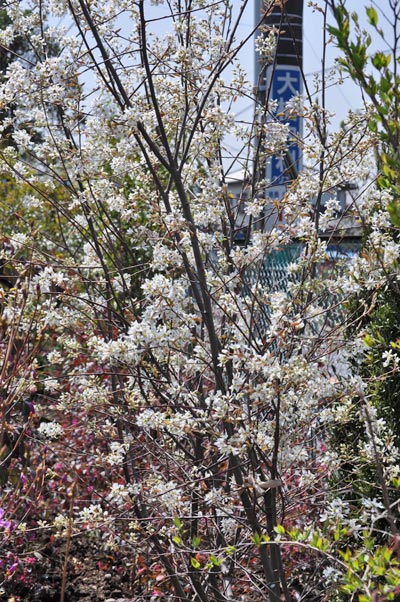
(4,523)
(30,560)
(12,568)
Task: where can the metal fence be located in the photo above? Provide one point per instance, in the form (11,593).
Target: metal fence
(273,275)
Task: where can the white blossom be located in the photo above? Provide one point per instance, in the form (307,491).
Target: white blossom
(50,430)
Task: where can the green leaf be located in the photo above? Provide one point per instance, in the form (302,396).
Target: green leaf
(214,560)
(256,539)
(388,171)
(177,522)
(348,589)
(386,553)
(194,562)
(372,16)
(371,86)
(380,60)
(369,340)
(345,554)
(358,56)
(385,85)
(196,540)
(382,184)
(293,533)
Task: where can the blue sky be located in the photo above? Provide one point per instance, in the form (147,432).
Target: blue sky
(339,98)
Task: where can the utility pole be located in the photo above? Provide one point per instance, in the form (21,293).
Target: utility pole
(281,81)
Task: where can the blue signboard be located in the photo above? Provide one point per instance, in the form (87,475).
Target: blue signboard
(286,83)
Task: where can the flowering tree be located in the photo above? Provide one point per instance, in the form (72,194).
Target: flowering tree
(174,405)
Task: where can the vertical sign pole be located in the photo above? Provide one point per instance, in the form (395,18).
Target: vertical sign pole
(281,81)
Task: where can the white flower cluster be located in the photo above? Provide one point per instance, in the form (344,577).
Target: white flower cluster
(93,516)
(295,106)
(117,453)
(52,385)
(121,493)
(256,206)
(275,137)
(390,359)
(373,509)
(50,430)
(265,45)
(331,211)
(379,441)
(169,494)
(61,522)
(47,279)
(234,445)
(336,511)
(165,258)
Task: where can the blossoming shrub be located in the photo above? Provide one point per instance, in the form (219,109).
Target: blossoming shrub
(164,419)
